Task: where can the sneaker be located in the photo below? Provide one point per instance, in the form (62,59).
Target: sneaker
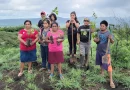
(49,71)
(61,76)
(50,76)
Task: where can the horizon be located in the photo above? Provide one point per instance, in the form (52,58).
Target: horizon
(61,17)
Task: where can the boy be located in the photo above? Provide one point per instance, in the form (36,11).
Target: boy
(83,39)
(102,40)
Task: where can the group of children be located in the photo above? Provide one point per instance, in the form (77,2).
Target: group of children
(51,37)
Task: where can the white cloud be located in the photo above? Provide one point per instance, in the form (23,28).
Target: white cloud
(32,8)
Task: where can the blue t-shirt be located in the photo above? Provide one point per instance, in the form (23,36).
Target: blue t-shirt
(102,45)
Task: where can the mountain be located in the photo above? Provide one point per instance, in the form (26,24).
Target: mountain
(61,21)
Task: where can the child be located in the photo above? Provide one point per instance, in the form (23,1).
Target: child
(55,48)
(73,23)
(44,44)
(83,40)
(102,40)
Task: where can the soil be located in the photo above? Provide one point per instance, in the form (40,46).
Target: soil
(41,80)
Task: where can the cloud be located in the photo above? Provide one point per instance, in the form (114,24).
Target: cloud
(32,8)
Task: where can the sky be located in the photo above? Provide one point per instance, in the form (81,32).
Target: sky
(84,8)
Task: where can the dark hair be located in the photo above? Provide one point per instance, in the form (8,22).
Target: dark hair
(54,23)
(27,21)
(104,22)
(46,21)
(52,14)
(75,15)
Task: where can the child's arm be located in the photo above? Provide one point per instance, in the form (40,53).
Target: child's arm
(78,38)
(47,40)
(111,38)
(78,35)
(68,23)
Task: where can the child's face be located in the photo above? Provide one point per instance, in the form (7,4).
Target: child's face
(103,27)
(52,17)
(72,16)
(86,22)
(43,15)
(45,24)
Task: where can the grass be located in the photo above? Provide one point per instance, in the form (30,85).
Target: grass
(75,79)
(32,86)
(1,76)
(9,80)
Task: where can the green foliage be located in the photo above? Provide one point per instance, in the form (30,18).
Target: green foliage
(6,88)
(73,78)
(32,86)
(121,78)
(8,39)
(102,88)
(55,10)
(1,76)
(120,49)
(11,29)
(22,82)
(9,80)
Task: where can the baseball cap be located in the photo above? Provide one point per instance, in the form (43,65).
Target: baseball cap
(86,19)
(43,13)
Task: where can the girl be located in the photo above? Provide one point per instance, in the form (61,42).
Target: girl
(52,17)
(28,38)
(44,44)
(73,21)
(55,39)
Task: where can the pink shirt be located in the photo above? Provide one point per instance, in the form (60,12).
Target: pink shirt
(54,47)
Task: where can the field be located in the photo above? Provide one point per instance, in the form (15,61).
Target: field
(74,78)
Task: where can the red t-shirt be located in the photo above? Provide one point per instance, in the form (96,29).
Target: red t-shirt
(25,36)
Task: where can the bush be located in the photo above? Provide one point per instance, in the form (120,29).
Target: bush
(8,39)
(11,29)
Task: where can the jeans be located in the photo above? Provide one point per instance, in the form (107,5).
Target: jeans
(44,55)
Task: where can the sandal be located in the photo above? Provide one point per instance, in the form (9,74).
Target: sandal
(61,76)
(49,71)
(20,74)
(51,75)
(74,55)
(112,85)
(30,71)
(41,69)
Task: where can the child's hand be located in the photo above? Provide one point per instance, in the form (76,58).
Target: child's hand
(59,40)
(96,40)
(109,36)
(78,42)
(49,41)
(40,41)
